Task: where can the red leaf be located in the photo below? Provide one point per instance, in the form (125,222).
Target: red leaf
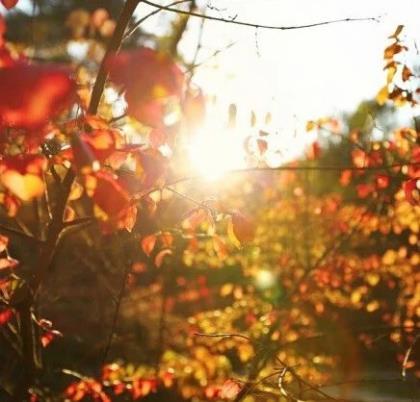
(412,189)
(6,59)
(90,148)
(49,336)
(9,3)
(382,181)
(243,227)
(109,195)
(150,79)
(32,95)
(5,315)
(363,190)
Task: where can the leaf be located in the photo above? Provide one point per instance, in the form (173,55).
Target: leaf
(148,244)
(393,49)
(157,79)
(406,74)
(382,181)
(382,95)
(311,125)
(412,190)
(363,190)
(31,95)
(22,175)
(109,195)
(243,227)
(9,3)
(5,315)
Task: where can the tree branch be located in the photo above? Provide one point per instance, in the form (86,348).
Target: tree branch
(253,25)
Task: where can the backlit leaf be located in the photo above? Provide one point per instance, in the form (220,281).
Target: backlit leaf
(31,95)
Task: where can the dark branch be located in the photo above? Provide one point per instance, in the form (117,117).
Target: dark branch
(253,25)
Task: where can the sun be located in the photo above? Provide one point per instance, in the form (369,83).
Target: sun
(215,150)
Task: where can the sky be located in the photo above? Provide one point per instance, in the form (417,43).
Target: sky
(295,75)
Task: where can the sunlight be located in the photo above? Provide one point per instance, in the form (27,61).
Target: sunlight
(215,150)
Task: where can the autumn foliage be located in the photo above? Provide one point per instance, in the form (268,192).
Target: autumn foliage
(275,288)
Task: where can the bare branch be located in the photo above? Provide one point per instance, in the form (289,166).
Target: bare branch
(146,17)
(253,25)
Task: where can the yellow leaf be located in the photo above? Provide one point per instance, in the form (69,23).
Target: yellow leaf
(382,95)
(26,187)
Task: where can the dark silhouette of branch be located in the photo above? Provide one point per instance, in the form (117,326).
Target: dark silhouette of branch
(253,25)
(116,314)
(146,17)
(288,168)
(16,232)
(223,336)
(113,46)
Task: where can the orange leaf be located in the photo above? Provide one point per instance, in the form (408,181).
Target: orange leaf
(148,244)
(243,227)
(406,73)
(109,195)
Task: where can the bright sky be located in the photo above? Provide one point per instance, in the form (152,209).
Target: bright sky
(308,72)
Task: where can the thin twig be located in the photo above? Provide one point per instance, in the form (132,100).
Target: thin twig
(116,314)
(16,232)
(253,25)
(407,357)
(223,336)
(151,14)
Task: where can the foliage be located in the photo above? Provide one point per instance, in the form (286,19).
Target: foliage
(277,288)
